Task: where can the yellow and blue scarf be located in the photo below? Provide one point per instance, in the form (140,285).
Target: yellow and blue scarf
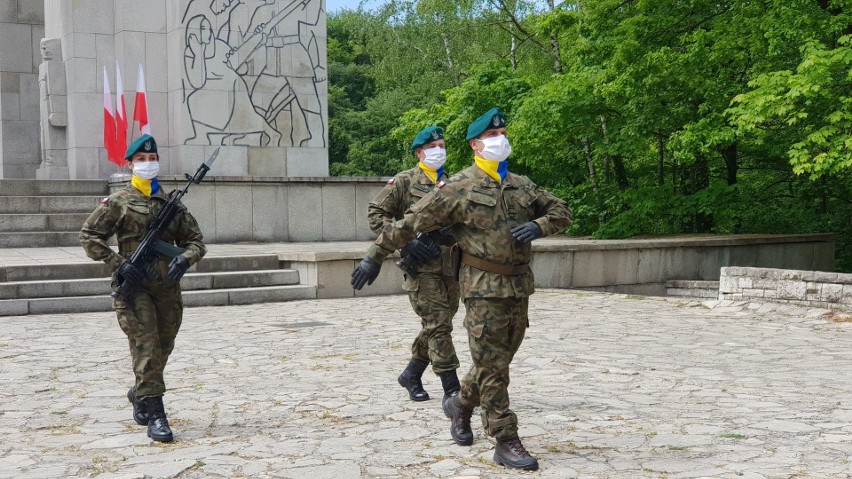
(432,173)
(495,169)
(147,187)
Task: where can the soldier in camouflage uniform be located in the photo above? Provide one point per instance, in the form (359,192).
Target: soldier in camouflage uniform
(432,289)
(494,216)
(152,319)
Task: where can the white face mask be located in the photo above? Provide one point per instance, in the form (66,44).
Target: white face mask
(146,170)
(435,157)
(496,148)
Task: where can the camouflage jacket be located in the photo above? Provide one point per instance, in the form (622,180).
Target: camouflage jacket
(482,213)
(399,194)
(126,214)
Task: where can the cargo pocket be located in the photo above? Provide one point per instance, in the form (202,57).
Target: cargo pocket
(410,284)
(474,324)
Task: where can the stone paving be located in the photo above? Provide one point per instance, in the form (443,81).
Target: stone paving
(605,386)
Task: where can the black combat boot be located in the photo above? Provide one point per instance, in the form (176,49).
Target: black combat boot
(140,412)
(410,379)
(460,421)
(511,453)
(450,381)
(158,425)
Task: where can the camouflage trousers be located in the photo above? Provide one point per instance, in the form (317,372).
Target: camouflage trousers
(495,330)
(436,301)
(151,324)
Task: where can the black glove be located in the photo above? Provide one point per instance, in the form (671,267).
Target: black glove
(420,251)
(365,273)
(177,267)
(131,275)
(527,232)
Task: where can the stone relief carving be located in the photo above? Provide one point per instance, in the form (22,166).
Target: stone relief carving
(251,70)
(53,110)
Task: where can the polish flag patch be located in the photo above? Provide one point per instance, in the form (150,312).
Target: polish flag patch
(105,200)
(440,184)
(390,181)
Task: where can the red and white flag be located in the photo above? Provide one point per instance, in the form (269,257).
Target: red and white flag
(121,115)
(109,125)
(140,112)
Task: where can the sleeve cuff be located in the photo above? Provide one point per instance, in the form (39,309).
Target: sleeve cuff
(377,253)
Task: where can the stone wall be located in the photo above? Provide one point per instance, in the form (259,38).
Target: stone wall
(642,266)
(21,29)
(233,209)
(806,288)
(576,263)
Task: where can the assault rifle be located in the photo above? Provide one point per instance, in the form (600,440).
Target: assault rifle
(151,245)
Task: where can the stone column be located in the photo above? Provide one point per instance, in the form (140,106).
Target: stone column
(21,28)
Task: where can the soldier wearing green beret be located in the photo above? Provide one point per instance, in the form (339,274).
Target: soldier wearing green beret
(153,316)
(432,288)
(494,215)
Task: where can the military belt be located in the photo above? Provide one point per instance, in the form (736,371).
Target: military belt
(492,267)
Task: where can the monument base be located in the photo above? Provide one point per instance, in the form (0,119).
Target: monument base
(52,173)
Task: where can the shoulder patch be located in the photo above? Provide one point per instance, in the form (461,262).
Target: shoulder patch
(440,184)
(390,181)
(105,200)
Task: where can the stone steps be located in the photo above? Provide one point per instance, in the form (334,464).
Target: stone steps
(39,239)
(85,287)
(692,289)
(45,213)
(53,188)
(48,204)
(93,269)
(219,297)
(34,223)
(190,282)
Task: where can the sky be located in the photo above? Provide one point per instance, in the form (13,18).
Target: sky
(335,5)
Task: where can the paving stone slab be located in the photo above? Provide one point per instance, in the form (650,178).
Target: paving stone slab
(605,386)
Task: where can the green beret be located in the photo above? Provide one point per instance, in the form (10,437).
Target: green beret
(143,144)
(427,135)
(492,119)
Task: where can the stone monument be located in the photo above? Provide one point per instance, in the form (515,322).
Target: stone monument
(248,76)
(53,111)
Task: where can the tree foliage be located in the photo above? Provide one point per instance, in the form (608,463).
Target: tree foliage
(650,117)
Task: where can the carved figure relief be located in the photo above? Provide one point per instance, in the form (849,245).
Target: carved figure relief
(251,70)
(53,107)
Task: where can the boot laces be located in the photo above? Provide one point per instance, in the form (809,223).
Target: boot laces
(517,447)
(158,411)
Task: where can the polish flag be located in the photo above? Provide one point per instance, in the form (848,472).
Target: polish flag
(121,116)
(140,112)
(109,125)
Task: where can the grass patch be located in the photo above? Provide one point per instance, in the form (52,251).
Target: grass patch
(733,436)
